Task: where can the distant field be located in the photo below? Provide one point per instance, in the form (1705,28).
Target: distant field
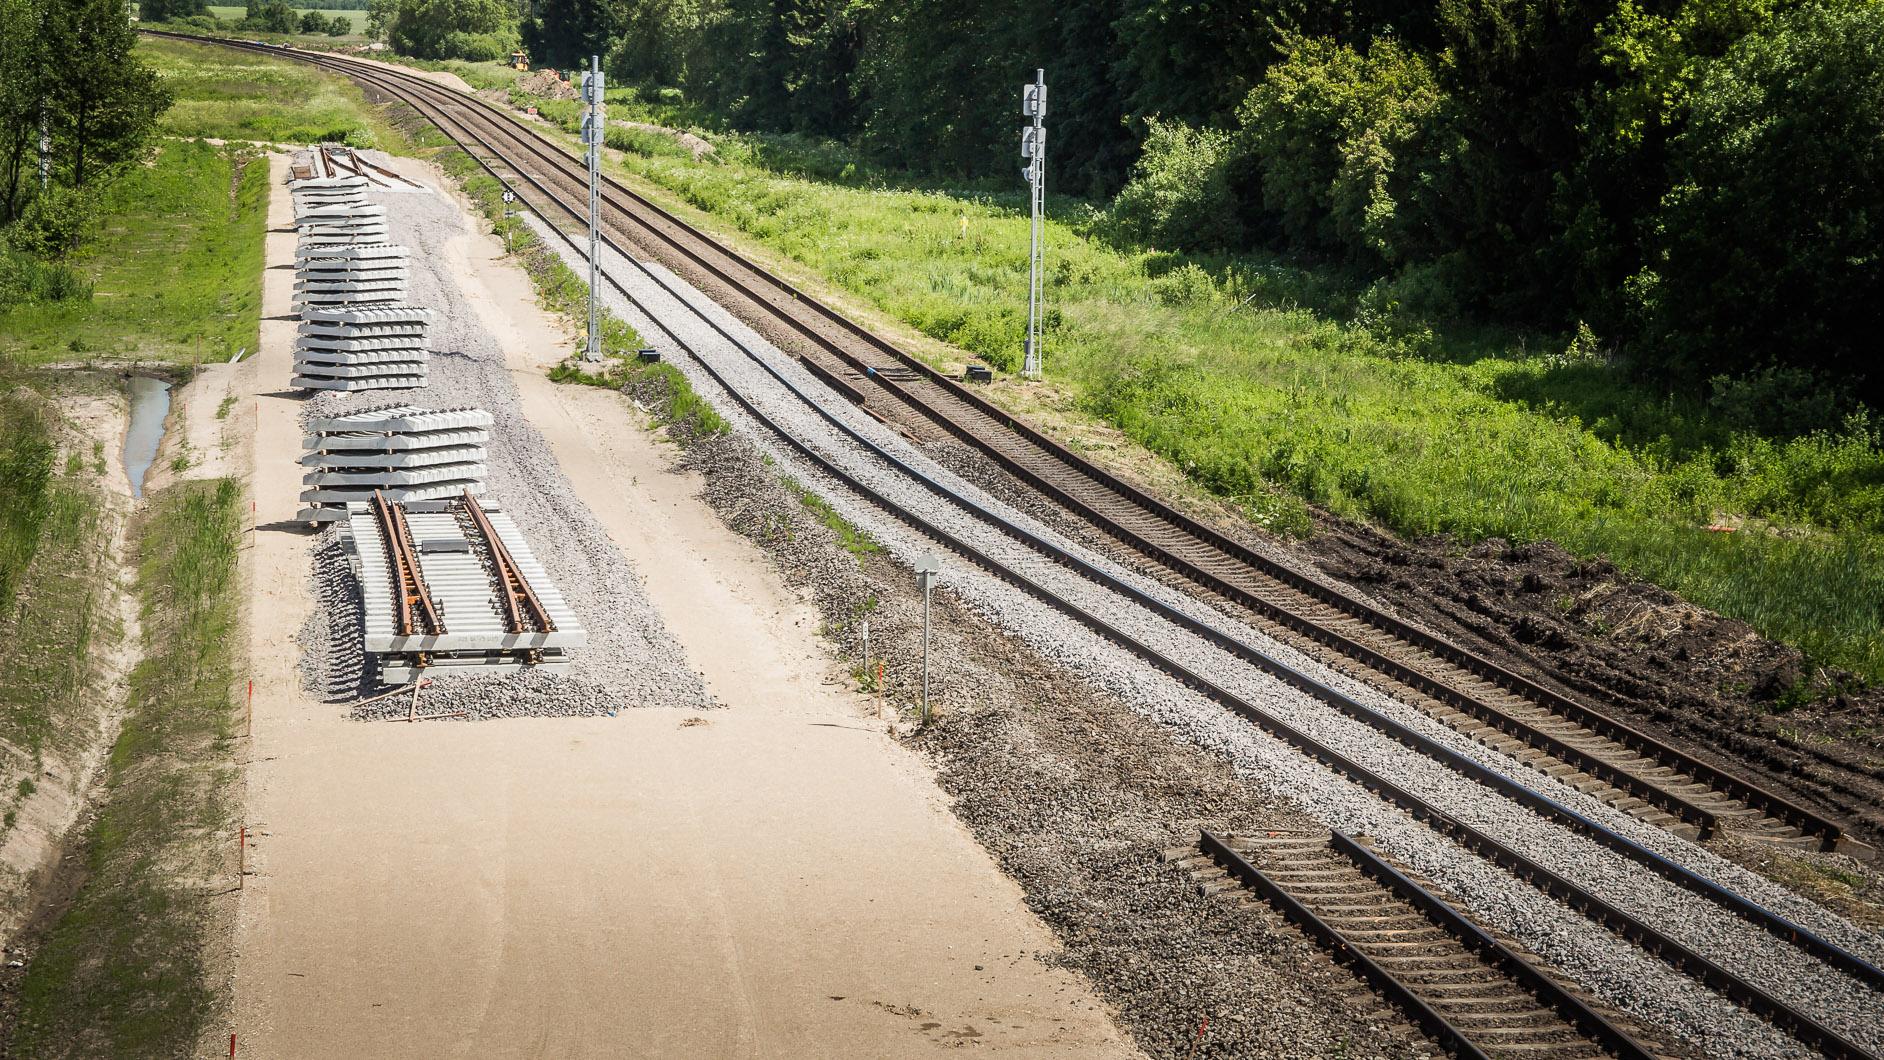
(235,95)
(235,14)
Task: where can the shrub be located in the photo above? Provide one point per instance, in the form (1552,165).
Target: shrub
(1180,195)
(27,279)
(477,47)
(53,223)
(315,22)
(1766,250)
(1328,129)
(339,26)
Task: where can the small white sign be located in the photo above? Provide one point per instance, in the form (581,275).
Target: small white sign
(510,197)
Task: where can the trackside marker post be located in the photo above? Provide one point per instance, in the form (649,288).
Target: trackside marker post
(927,567)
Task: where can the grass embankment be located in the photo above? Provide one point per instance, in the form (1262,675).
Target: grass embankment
(54,598)
(235,95)
(1219,366)
(175,263)
(122,972)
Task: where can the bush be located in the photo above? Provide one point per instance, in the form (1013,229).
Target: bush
(1328,130)
(339,26)
(207,22)
(314,22)
(1180,196)
(1766,250)
(53,223)
(477,47)
(24,278)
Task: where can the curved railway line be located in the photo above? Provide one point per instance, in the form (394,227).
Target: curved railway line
(480,129)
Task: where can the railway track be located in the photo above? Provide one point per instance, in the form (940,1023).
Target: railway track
(1471,992)
(1495,706)
(414,610)
(462,119)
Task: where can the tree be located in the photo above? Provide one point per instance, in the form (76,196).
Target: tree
(313,22)
(273,16)
(1768,249)
(105,101)
(565,33)
(22,81)
(170,10)
(450,29)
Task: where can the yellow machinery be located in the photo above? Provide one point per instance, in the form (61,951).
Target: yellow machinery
(519,61)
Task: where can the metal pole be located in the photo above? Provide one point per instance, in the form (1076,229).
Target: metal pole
(1034,141)
(925,650)
(592,86)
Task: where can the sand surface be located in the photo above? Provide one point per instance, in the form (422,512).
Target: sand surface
(778,878)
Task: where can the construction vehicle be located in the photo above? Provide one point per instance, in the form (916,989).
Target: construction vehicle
(519,61)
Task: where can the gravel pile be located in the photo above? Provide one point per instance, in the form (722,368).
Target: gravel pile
(1615,971)
(630,660)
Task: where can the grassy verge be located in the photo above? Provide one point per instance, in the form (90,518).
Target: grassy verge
(560,290)
(54,613)
(1221,367)
(176,267)
(122,972)
(235,95)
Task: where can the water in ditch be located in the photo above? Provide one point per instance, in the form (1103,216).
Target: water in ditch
(150,403)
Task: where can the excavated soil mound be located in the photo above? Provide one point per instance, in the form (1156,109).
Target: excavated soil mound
(1703,681)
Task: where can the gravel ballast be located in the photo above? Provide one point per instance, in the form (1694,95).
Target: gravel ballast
(1611,969)
(630,660)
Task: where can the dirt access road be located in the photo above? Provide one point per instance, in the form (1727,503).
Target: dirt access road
(778,878)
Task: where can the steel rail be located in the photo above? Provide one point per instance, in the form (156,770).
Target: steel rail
(408,578)
(1615,920)
(513,589)
(1571,1008)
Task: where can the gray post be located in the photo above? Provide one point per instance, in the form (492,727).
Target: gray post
(1034,149)
(45,147)
(927,567)
(594,127)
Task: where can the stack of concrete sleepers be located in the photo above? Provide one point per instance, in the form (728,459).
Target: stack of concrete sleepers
(458,577)
(341,220)
(349,273)
(362,347)
(406,452)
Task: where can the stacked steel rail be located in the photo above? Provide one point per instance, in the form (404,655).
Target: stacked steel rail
(523,609)
(413,606)
(455,114)
(458,561)
(1471,992)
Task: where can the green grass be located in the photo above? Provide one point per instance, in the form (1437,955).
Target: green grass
(235,95)
(853,540)
(237,14)
(1306,395)
(122,972)
(54,571)
(176,267)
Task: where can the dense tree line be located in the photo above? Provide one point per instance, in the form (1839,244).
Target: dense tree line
(1699,181)
(67,72)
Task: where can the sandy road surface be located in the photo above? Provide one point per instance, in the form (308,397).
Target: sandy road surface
(781,880)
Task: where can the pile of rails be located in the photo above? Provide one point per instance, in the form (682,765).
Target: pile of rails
(356,331)
(452,587)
